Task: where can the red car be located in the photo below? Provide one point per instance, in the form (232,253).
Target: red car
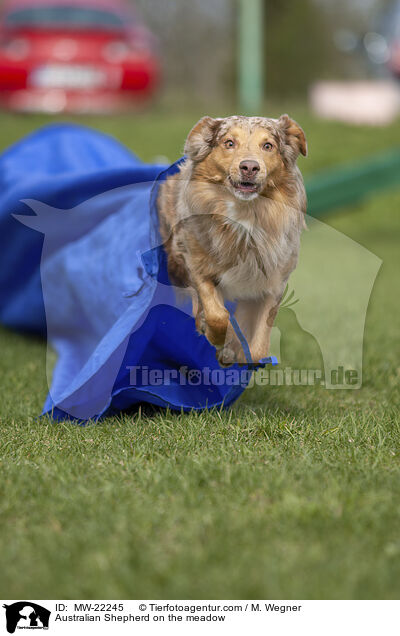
(74,55)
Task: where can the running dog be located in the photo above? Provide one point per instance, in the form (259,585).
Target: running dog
(231,221)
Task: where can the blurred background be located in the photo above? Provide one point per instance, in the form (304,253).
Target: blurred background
(111,55)
(124,66)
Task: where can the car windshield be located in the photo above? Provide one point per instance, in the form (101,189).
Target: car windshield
(65,16)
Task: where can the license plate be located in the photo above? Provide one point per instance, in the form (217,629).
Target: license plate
(59,76)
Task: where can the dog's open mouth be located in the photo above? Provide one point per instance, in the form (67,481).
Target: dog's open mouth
(245,186)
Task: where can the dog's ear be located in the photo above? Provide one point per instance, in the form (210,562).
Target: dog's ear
(202,138)
(293,136)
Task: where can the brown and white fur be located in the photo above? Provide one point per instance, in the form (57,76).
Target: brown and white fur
(231,221)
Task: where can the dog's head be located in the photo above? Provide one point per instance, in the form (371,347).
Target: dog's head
(245,154)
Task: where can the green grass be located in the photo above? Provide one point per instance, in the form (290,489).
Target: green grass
(293,493)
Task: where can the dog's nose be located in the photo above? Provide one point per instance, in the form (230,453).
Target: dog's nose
(249,168)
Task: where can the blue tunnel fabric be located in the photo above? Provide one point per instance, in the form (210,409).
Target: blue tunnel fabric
(81,260)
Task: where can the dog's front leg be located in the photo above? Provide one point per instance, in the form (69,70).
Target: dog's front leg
(255,319)
(259,339)
(212,317)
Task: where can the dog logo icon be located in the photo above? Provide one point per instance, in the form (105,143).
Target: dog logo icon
(26,615)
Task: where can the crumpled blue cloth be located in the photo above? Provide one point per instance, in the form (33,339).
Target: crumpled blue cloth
(80,260)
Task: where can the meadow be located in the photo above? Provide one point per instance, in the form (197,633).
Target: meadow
(292,493)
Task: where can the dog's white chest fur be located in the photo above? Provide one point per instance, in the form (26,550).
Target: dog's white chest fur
(256,265)
(244,281)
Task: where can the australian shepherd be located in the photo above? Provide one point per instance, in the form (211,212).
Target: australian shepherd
(231,220)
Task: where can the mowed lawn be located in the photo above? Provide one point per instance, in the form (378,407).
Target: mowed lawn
(293,493)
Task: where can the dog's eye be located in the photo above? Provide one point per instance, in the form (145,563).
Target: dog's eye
(229,143)
(267,146)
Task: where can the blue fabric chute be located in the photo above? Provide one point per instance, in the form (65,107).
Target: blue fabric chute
(81,261)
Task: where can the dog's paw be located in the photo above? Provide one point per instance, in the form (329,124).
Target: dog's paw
(226,356)
(231,353)
(214,329)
